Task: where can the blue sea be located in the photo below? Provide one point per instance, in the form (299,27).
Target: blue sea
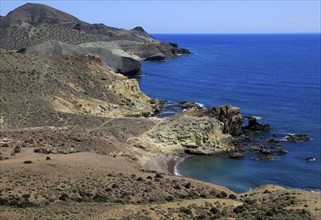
(274,77)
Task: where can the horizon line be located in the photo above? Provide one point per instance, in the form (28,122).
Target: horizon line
(239,33)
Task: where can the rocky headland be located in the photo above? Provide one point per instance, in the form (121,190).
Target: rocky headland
(78,140)
(41,30)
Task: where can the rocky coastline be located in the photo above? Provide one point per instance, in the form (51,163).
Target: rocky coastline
(78,140)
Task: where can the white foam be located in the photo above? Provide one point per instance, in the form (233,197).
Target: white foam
(256,117)
(318,191)
(199,104)
(290,134)
(168,112)
(178,162)
(176,173)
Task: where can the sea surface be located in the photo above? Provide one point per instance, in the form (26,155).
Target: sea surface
(274,77)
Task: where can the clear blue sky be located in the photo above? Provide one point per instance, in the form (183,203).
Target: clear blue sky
(256,16)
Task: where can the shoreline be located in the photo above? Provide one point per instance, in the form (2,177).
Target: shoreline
(167,164)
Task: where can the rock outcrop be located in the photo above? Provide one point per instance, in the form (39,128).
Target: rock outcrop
(254,125)
(156,57)
(229,115)
(298,138)
(184,133)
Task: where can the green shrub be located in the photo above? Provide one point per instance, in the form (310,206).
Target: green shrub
(185,210)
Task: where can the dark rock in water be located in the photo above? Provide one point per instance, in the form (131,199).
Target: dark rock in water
(254,125)
(268,157)
(294,138)
(237,155)
(185,105)
(310,159)
(266,151)
(256,148)
(280,152)
(156,57)
(244,138)
(262,149)
(274,143)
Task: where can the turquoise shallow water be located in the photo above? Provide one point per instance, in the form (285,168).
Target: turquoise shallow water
(275,77)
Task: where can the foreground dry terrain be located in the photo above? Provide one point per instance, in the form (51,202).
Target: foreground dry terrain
(93,186)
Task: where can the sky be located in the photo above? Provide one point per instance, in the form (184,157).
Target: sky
(228,16)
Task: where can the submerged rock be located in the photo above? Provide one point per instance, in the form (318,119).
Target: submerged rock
(237,155)
(275,143)
(268,157)
(294,138)
(280,152)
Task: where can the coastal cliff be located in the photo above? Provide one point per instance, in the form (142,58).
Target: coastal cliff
(31,26)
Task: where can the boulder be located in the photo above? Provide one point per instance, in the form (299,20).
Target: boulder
(4,142)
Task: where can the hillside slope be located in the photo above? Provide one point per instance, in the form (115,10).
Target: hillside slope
(34,24)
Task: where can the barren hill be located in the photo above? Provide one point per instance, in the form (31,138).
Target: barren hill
(34,24)
(31,24)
